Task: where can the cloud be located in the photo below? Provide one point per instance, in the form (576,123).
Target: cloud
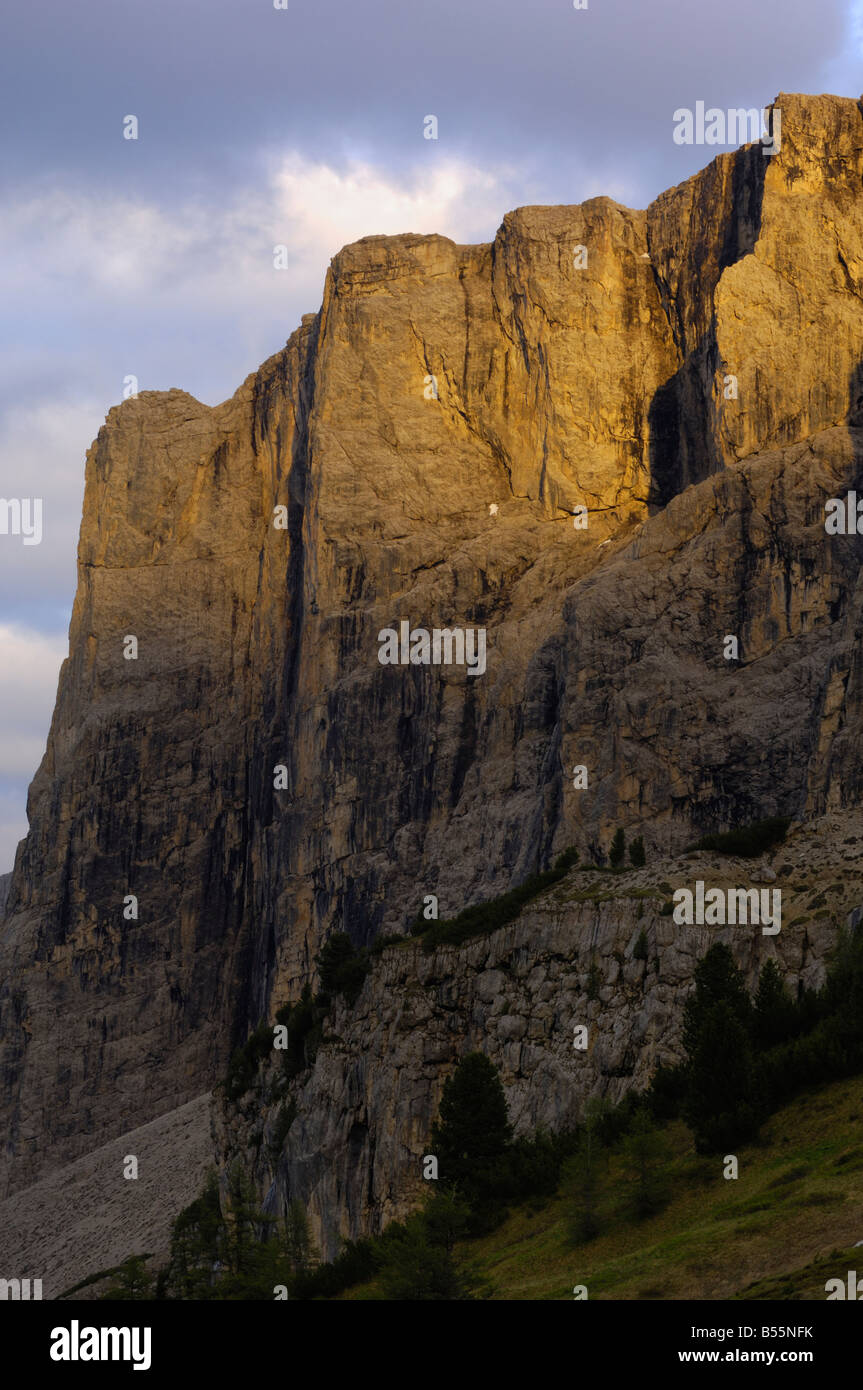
(13,823)
(328,206)
(29,668)
(185,293)
(212,84)
(42,447)
(62,242)
(842,71)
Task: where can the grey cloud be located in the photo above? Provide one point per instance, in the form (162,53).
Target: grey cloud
(213,83)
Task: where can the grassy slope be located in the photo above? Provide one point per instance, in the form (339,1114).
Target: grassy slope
(789,1220)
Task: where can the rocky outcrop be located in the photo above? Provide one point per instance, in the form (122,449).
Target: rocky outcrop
(747,306)
(415,452)
(364,1113)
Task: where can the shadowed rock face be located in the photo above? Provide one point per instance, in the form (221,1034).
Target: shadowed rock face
(556,386)
(363,1114)
(5,884)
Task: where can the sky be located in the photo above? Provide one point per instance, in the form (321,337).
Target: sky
(300,126)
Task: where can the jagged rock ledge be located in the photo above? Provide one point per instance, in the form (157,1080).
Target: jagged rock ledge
(365,1110)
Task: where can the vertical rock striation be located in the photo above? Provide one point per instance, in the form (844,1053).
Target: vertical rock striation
(427,434)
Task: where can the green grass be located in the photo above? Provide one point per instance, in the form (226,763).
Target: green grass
(780,1230)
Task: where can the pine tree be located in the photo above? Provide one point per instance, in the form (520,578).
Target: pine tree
(717,980)
(233,1256)
(298,1244)
(472,1129)
(197,1242)
(646,1154)
(243,1220)
(637,857)
(774,1009)
(618,849)
(254,1259)
(342,968)
(446,1219)
(584,1170)
(418,1271)
(722,1104)
(420,1262)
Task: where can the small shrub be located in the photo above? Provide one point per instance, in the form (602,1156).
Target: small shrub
(747,841)
(381,942)
(667,1092)
(499,912)
(243,1066)
(342,967)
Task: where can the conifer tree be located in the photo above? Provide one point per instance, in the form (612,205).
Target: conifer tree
(722,1105)
(197,1247)
(618,849)
(717,980)
(637,857)
(646,1154)
(298,1244)
(342,968)
(415,1270)
(584,1170)
(472,1129)
(774,1009)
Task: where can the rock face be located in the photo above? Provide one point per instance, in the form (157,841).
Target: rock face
(5,884)
(415,452)
(364,1112)
(85,1218)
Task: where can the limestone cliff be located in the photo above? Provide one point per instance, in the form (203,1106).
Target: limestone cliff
(428,434)
(5,883)
(363,1113)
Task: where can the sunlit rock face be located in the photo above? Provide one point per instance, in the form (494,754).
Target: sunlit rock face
(418,451)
